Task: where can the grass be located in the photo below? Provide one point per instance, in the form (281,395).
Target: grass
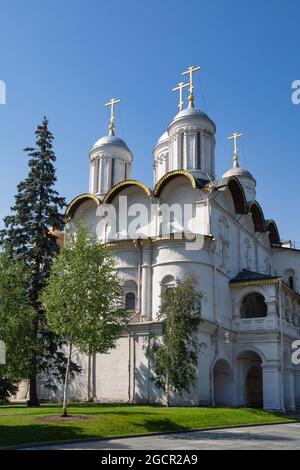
(22,425)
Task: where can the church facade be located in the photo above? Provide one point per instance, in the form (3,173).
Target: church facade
(193,223)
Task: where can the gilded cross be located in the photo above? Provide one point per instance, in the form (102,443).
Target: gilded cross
(112,126)
(190,72)
(234,137)
(180,88)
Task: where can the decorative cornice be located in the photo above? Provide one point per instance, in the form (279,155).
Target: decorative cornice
(148,241)
(260,282)
(119,244)
(123,184)
(169,176)
(75,203)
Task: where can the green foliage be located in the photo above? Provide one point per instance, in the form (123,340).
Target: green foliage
(36,211)
(82,298)
(16,320)
(27,236)
(7,388)
(175,355)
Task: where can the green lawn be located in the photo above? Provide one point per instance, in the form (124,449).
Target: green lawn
(21,425)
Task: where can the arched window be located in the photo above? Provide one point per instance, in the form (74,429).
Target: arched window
(289,277)
(254,306)
(167,283)
(130,301)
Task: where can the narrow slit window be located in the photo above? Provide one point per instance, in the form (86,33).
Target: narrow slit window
(112,171)
(198,151)
(97,182)
(182,151)
(291,282)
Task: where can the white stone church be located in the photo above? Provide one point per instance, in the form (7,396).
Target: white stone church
(248,277)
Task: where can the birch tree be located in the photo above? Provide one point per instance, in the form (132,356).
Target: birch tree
(174,355)
(82,298)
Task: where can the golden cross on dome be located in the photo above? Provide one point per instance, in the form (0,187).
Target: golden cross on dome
(234,137)
(190,72)
(112,126)
(180,88)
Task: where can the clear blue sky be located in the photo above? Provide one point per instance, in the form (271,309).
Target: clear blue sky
(65,59)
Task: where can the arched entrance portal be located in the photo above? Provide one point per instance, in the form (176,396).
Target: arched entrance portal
(223,384)
(250,375)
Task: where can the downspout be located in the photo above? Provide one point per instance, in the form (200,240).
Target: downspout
(281,346)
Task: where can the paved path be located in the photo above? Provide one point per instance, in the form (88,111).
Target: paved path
(283,436)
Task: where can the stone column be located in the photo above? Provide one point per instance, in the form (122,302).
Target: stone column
(202,154)
(236,310)
(272,387)
(289,389)
(100,176)
(146,312)
(297,385)
(109,174)
(257,267)
(240,380)
(96,174)
(92,176)
(171,155)
(272,308)
(213,145)
(186,151)
(175,152)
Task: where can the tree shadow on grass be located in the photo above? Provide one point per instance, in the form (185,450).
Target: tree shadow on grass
(11,435)
(161,425)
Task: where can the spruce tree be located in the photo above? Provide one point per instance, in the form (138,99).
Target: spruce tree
(29,234)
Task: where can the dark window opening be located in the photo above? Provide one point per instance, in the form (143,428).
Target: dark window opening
(97,182)
(198,151)
(130,301)
(254,306)
(181,151)
(112,171)
(291,282)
